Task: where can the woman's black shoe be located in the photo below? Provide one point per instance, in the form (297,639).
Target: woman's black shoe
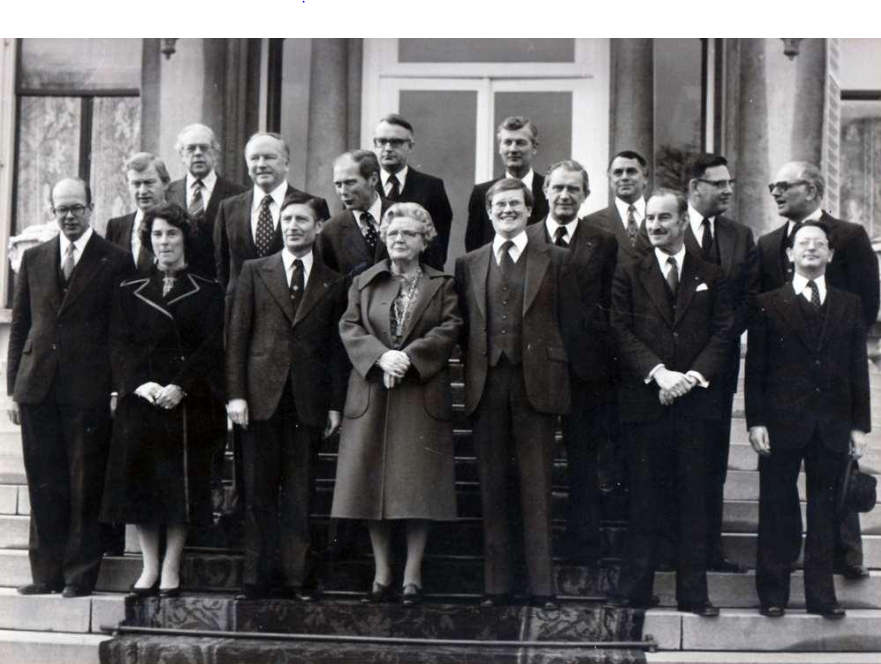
(151,591)
(378,594)
(412,595)
(169,592)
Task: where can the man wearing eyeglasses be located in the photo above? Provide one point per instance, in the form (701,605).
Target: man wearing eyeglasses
(518,145)
(401,183)
(721,240)
(200,192)
(807,401)
(58,376)
(798,191)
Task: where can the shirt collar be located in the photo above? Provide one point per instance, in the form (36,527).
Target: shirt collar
(552,224)
(816,215)
(277,195)
(401,175)
(526,179)
(288,259)
(375,211)
(80,242)
(623,206)
(696,220)
(208,181)
(800,283)
(663,256)
(515,251)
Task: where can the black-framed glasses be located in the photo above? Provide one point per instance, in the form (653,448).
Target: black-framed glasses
(63,210)
(785,186)
(391,142)
(718,184)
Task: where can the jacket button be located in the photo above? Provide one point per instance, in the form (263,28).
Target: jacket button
(54,347)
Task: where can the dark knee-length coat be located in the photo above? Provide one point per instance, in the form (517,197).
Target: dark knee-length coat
(159,466)
(396,456)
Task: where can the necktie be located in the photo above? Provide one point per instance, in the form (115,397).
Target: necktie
(395,191)
(706,239)
(296,285)
(815,296)
(370,234)
(673,275)
(560,236)
(506,263)
(632,228)
(67,267)
(143,256)
(197,204)
(265,228)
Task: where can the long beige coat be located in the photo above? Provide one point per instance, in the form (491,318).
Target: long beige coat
(396,451)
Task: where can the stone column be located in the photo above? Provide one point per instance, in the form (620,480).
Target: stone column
(810,92)
(632,112)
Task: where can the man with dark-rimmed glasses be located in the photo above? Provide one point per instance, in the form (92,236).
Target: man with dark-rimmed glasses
(798,191)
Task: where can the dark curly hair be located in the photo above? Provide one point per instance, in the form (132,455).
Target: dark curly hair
(175,216)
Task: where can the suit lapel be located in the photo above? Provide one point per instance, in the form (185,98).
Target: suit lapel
(788,307)
(47,266)
(478,267)
(653,282)
(190,288)
(691,243)
(273,275)
(89,265)
(778,237)
(150,295)
(352,237)
(581,245)
(725,239)
(834,314)
(427,289)
(691,279)
(316,288)
(244,229)
(537,262)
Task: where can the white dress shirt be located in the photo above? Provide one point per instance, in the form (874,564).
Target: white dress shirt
(400,175)
(277,195)
(813,216)
(375,211)
(208,183)
(288,259)
(526,179)
(79,244)
(136,235)
(552,225)
(696,221)
(800,286)
(638,210)
(515,251)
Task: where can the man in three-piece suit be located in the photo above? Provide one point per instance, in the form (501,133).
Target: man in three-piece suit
(512,293)
(518,144)
(286,377)
(807,399)
(625,216)
(592,255)
(672,317)
(798,192)
(400,182)
(147,179)
(247,225)
(349,242)
(58,374)
(200,192)
(721,240)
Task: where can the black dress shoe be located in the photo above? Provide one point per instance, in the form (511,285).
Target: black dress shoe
(144,592)
(491,600)
(853,572)
(545,602)
(75,591)
(38,589)
(704,610)
(379,594)
(170,592)
(250,591)
(298,594)
(725,565)
(624,603)
(411,595)
(832,611)
(772,611)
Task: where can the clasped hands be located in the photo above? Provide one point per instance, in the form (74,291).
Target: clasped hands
(673,385)
(394,365)
(163,397)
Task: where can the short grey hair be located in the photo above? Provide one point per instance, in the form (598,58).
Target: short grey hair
(179,143)
(141,161)
(411,211)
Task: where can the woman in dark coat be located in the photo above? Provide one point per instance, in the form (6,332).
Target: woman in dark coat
(167,361)
(396,450)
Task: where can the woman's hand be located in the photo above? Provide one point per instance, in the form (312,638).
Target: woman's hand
(394,362)
(169,396)
(149,391)
(237,410)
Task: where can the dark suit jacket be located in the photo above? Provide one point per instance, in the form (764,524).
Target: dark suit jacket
(119,232)
(342,246)
(591,257)
(610,221)
(429,192)
(796,384)
(480,229)
(545,364)
(695,335)
(63,339)
(854,267)
(267,345)
(233,240)
(202,260)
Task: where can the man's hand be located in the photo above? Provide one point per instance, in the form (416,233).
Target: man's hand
(333,423)
(666,398)
(169,396)
(677,384)
(394,362)
(388,380)
(13,413)
(114,402)
(149,391)
(858,444)
(758,438)
(237,410)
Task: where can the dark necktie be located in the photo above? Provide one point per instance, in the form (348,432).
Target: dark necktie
(632,228)
(297,284)
(394,193)
(560,236)
(144,259)
(265,228)
(68,265)
(197,204)
(506,263)
(371,237)
(815,296)
(673,275)
(706,240)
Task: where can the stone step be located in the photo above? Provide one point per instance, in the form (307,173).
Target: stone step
(10,441)
(53,613)
(12,470)
(736,629)
(710,657)
(21,647)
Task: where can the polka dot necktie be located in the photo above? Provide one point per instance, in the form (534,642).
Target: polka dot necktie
(265,229)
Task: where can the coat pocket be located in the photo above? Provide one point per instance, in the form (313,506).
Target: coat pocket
(357,396)
(557,353)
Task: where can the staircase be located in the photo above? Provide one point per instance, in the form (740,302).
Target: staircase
(340,629)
